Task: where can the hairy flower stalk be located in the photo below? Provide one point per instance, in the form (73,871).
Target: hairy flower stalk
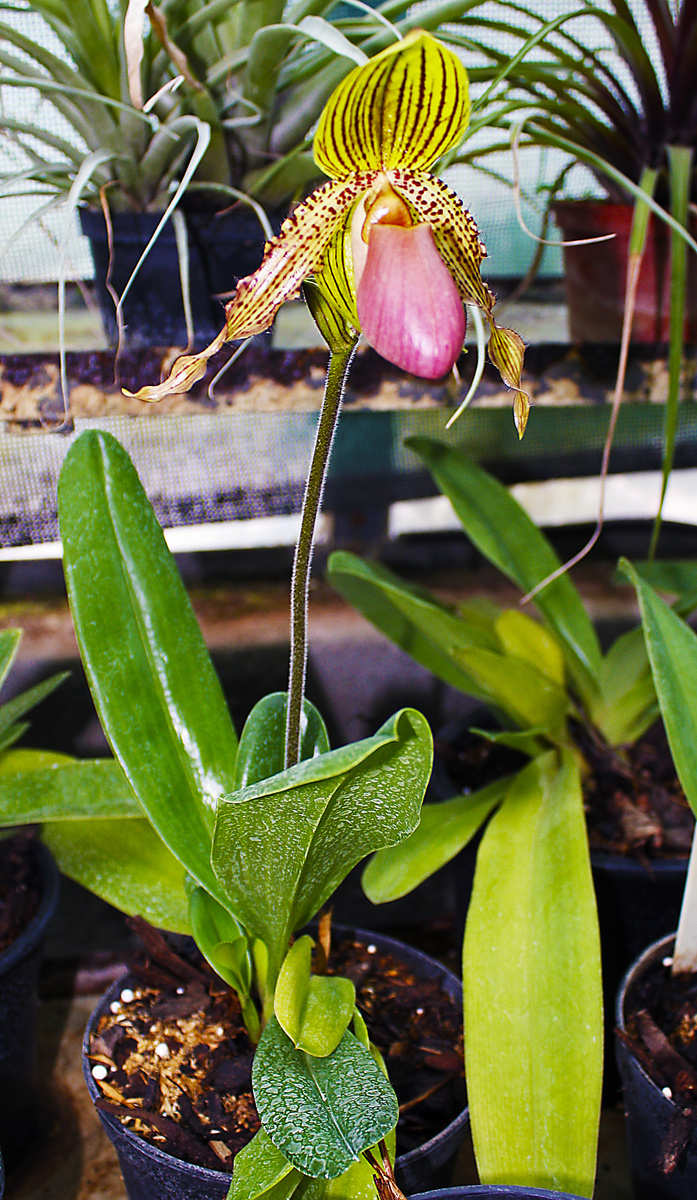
(391,248)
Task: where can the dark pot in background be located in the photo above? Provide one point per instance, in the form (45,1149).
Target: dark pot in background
(649,1113)
(221,251)
(19,1005)
(595,275)
(484,1192)
(151,1174)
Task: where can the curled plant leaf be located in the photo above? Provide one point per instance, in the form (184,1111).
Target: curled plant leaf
(261,752)
(322,1113)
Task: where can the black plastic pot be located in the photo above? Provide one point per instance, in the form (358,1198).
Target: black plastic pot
(19,1005)
(151,1174)
(650,1114)
(484,1192)
(221,251)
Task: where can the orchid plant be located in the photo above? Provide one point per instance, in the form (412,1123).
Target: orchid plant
(241,844)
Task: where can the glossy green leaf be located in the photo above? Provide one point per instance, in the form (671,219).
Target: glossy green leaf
(152,681)
(221,939)
(672,651)
(62,790)
(504,533)
(261,752)
(528,697)
(627,704)
(442,832)
(322,1113)
(415,621)
(126,864)
(262,1172)
(282,846)
(313,1010)
(532,988)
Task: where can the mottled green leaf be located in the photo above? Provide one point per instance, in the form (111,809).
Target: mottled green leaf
(127,864)
(282,846)
(321,1112)
(532,988)
(154,687)
(441,834)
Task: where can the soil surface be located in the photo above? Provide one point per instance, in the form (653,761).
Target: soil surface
(633,800)
(20,887)
(661,1032)
(173,1061)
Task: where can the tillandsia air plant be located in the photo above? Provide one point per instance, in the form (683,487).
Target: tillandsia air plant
(385,247)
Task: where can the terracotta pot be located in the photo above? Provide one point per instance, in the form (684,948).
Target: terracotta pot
(596,275)
(151,1174)
(650,1114)
(221,251)
(19,1007)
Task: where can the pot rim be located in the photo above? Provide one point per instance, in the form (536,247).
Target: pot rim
(391,945)
(491,1191)
(660,948)
(30,937)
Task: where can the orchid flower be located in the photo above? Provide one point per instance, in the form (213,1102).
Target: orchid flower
(392,250)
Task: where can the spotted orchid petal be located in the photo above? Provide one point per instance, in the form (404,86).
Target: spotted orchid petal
(288,260)
(404,108)
(408,305)
(462,251)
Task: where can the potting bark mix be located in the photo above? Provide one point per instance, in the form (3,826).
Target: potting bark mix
(173,1061)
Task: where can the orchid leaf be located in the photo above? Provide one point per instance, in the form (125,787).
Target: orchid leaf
(322,1113)
(627,703)
(282,846)
(672,651)
(523,638)
(532,988)
(152,680)
(221,939)
(37,785)
(443,831)
(415,621)
(313,1010)
(504,533)
(262,1172)
(261,752)
(9,643)
(13,709)
(126,864)
(528,741)
(528,697)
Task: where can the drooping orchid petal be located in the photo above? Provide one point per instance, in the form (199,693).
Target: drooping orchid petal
(408,306)
(379,133)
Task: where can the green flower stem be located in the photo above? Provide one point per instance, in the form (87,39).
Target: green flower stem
(339,362)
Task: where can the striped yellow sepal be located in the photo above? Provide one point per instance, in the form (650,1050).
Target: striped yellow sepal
(405,107)
(297,252)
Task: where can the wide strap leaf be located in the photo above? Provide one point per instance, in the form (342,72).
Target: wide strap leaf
(322,1113)
(151,677)
(126,864)
(282,846)
(672,651)
(627,704)
(504,533)
(442,832)
(526,695)
(532,988)
(63,790)
(426,629)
